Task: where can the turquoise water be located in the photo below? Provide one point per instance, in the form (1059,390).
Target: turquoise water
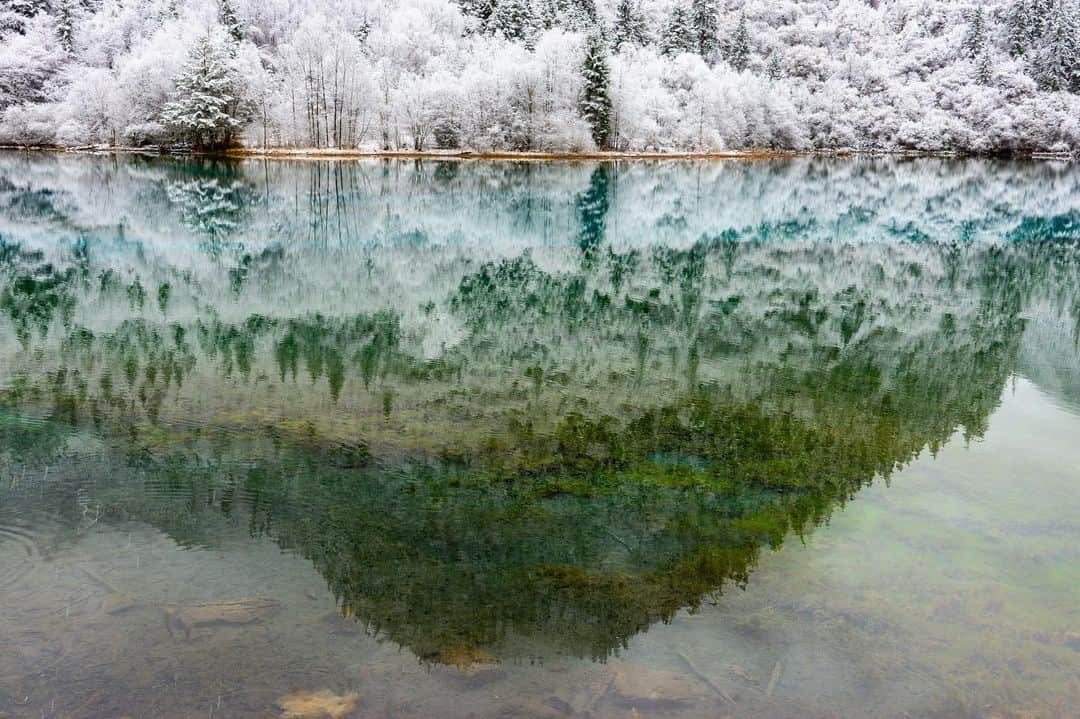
(389,438)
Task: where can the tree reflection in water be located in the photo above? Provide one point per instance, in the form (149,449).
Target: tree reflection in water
(551,443)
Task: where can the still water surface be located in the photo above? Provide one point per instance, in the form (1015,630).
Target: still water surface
(455,439)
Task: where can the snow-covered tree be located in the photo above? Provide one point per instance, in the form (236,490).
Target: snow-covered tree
(1055,61)
(1027,21)
(975,37)
(230,21)
(15,14)
(90,110)
(986,75)
(262,91)
(580,15)
(678,35)
(774,68)
(704,19)
(595,95)
(29,61)
(330,92)
(67,13)
(629,26)
(575,15)
(206,110)
(984,68)
(480,9)
(738,48)
(1045,33)
(513,19)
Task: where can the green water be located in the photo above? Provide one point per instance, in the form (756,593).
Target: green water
(457,439)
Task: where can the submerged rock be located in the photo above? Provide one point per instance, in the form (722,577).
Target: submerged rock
(322,704)
(118,603)
(194,620)
(526,709)
(645,689)
(469,666)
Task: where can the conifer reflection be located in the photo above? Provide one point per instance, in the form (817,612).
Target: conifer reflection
(544,449)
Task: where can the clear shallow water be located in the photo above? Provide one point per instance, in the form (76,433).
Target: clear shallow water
(453,439)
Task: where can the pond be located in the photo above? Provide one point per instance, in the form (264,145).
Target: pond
(388,438)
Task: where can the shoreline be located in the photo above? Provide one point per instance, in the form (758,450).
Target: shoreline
(285,153)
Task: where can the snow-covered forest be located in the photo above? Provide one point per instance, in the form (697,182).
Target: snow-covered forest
(543,75)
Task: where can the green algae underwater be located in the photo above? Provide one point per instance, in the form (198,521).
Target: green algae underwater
(414,438)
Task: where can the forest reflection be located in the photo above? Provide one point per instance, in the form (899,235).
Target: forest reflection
(543,444)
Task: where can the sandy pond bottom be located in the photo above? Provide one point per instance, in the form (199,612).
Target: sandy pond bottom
(953,592)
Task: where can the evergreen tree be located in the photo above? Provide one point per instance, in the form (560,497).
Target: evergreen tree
(984,69)
(206,109)
(738,49)
(547,13)
(975,39)
(775,67)
(587,9)
(576,15)
(1055,62)
(704,17)
(629,27)
(27,8)
(480,9)
(513,19)
(362,29)
(65,23)
(595,105)
(15,13)
(579,15)
(230,22)
(1027,21)
(1045,33)
(1014,26)
(678,35)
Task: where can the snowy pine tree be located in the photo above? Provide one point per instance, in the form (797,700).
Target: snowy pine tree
(576,15)
(27,8)
(65,23)
(738,48)
(984,69)
(15,13)
(513,19)
(206,107)
(629,27)
(1027,21)
(230,22)
(595,105)
(1045,33)
(1016,25)
(775,66)
(1055,63)
(704,19)
(678,34)
(579,15)
(975,38)
(480,9)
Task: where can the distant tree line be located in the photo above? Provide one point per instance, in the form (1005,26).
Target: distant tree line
(567,75)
